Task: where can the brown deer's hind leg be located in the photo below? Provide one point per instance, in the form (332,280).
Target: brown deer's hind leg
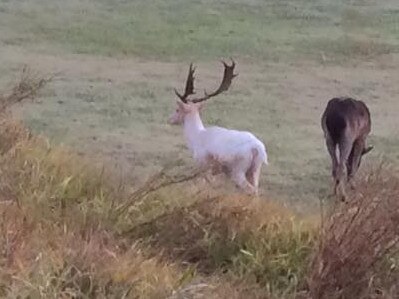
(331,147)
(345,148)
(354,159)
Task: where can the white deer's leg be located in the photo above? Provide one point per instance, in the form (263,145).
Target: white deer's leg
(252,176)
(241,181)
(253,172)
(256,175)
(240,173)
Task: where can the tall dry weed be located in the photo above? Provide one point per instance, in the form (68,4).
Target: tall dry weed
(356,241)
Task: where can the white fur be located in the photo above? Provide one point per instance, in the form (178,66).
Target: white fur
(238,152)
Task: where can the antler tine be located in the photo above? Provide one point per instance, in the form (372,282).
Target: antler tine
(228,77)
(190,81)
(179,95)
(189,89)
(233,64)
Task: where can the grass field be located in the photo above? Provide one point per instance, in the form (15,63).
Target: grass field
(117,63)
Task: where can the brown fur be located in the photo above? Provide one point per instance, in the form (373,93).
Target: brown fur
(346,124)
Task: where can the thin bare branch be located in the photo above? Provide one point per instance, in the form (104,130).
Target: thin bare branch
(27,87)
(155,183)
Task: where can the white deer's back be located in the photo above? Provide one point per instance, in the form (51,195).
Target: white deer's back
(227,145)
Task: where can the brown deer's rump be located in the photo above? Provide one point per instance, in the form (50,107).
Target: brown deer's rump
(343,112)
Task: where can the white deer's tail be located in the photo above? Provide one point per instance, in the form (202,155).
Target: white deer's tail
(265,160)
(263,154)
(259,154)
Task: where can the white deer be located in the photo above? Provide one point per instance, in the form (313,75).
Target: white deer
(238,154)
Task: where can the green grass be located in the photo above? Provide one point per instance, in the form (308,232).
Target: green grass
(204,29)
(120,61)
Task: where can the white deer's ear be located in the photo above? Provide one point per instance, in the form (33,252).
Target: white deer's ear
(366,150)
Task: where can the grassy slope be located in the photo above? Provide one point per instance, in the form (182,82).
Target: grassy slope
(293,56)
(65,231)
(119,63)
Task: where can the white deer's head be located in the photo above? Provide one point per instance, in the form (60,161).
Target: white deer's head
(187,106)
(182,109)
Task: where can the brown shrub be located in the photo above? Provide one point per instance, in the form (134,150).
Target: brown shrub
(254,242)
(356,241)
(27,87)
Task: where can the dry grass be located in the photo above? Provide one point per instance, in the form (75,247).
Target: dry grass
(249,240)
(56,240)
(353,257)
(43,260)
(65,233)
(60,235)
(217,288)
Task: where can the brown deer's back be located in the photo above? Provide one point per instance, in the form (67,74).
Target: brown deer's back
(342,113)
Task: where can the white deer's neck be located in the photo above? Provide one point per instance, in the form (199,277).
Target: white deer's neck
(193,126)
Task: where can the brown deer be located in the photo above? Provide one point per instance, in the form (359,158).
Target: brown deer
(346,124)
(238,154)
